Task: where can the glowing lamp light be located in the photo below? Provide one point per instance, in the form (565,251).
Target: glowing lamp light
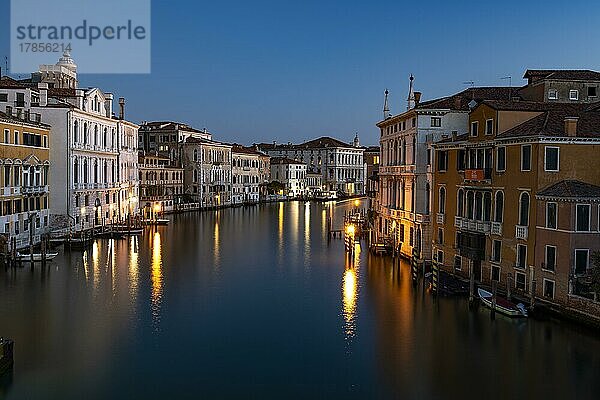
(350,229)
(356,203)
(157,207)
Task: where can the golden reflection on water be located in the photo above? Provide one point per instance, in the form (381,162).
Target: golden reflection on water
(96,262)
(157,279)
(350,292)
(307,234)
(133,267)
(280,218)
(112,259)
(217,242)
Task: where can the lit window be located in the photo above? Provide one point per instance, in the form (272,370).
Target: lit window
(436,122)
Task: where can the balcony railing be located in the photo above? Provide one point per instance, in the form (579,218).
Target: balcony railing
(521,232)
(440,218)
(34,189)
(497,228)
(472,225)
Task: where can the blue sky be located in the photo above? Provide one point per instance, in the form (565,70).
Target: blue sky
(289,71)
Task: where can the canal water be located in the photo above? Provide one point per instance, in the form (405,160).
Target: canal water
(255,302)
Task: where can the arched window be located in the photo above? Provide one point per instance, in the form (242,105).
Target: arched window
(76,171)
(402,194)
(95,135)
(470,204)
(427,197)
(403,152)
(85,171)
(478,206)
(499,210)
(460,204)
(85,133)
(413,201)
(75,131)
(442,201)
(487,206)
(195,155)
(105,137)
(524,209)
(414,150)
(105,172)
(96,171)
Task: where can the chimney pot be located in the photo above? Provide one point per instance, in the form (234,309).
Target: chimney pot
(571,126)
(121,108)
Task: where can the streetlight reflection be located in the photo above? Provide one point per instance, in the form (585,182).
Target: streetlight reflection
(157,279)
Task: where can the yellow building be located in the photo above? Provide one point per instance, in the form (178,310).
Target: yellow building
(24,163)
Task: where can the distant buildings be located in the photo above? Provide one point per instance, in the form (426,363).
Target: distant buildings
(290,173)
(340,164)
(372,157)
(248,174)
(161,185)
(208,173)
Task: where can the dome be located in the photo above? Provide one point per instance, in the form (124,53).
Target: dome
(67,61)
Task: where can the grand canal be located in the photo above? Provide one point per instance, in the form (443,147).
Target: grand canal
(256,303)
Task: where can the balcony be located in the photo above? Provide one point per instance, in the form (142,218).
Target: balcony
(478,175)
(440,218)
(497,228)
(521,232)
(34,189)
(396,169)
(472,225)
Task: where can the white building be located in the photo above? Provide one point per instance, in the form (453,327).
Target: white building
(405,175)
(94,177)
(207,176)
(340,164)
(246,176)
(291,173)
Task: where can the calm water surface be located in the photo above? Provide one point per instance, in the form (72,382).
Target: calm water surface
(255,303)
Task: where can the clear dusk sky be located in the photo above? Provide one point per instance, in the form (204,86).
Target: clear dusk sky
(254,71)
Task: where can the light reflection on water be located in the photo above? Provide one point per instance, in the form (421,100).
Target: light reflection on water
(350,288)
(157,280)
(353,327)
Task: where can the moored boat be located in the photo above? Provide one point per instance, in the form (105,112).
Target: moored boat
(502,305)
(37,257)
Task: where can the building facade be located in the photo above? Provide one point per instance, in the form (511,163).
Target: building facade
(405,175)
(246,176)
(290,173)
(25,161)
(514,205)
(341,164)
(93,173)
(161,185)
(207,177)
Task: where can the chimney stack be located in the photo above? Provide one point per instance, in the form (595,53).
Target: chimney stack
(571,126)
(121,107)
(417,98)
(43,87)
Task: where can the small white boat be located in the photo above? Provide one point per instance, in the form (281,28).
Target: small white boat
(37,257)
(502,305)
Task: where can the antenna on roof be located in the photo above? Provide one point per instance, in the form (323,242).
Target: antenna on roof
(472,84)
(509,85)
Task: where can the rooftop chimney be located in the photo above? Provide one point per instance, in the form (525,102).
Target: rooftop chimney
(43,87)
(571,126)
(417,98)
(121,107)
